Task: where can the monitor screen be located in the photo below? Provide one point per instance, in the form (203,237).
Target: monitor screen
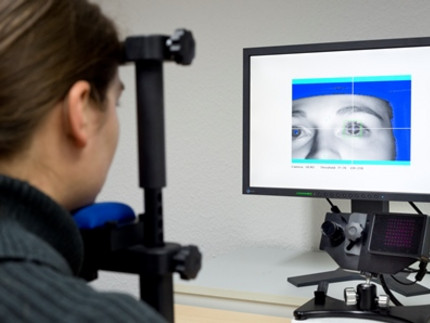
(338,120)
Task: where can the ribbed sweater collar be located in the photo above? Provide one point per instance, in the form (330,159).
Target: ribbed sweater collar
(40,221)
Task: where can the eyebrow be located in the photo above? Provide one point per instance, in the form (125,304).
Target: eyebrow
(299,113)
(355,108)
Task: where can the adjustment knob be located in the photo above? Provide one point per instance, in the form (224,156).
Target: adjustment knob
(334,232)
(383,301)
(187,262)
(353,231)
(350,296)
(181,46)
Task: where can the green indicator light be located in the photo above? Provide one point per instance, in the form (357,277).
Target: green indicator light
(304,193)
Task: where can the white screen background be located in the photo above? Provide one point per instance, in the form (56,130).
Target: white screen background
(270,119)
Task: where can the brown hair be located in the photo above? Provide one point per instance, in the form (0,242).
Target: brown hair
(45,47)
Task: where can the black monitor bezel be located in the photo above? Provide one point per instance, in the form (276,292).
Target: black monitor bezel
(312,48)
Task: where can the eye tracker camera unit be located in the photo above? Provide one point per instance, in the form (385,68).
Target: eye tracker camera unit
(369,246)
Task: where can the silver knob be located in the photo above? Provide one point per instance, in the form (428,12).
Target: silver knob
(350,296)
(383,301)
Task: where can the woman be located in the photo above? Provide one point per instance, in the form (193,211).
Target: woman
(59,87)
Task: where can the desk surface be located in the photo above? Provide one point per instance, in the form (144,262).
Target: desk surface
(252,281)
(255,281)
(193,314)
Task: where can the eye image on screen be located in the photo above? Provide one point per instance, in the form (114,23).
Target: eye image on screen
(351,120)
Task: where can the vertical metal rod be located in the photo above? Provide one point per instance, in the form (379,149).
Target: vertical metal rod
(153,235)
(365,206)
(156,286)
(152,160)
(150,115)
(157,291)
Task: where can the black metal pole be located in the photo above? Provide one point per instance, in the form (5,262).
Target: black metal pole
(150,118)
(161,259)
(156,286)
(139,248)
(152,160)
(157,291)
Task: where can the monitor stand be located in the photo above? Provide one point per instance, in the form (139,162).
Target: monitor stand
(340,275)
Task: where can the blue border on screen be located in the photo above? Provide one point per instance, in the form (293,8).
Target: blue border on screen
(396,89)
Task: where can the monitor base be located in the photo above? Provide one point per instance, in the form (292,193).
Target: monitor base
(333,309)
(340,275)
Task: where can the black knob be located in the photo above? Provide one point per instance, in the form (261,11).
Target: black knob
(181,46)
(188,261)
(367,299)
(334,232)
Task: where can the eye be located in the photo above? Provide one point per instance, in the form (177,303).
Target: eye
(355,128)
(296,132)
(301,132)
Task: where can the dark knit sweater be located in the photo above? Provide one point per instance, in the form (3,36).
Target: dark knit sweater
(40,253)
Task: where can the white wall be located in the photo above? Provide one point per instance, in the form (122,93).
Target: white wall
(203,203)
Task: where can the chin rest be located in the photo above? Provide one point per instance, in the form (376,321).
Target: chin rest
(98,214)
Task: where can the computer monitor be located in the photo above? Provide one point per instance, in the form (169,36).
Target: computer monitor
(345,120)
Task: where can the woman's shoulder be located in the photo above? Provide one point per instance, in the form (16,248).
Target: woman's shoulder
(31,292)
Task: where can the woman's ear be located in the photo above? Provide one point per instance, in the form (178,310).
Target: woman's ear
(76,108)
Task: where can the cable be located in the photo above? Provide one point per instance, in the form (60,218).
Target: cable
(334,208)
(402,283)
(415,207)
(422,271)
(388,291)
(423,264)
